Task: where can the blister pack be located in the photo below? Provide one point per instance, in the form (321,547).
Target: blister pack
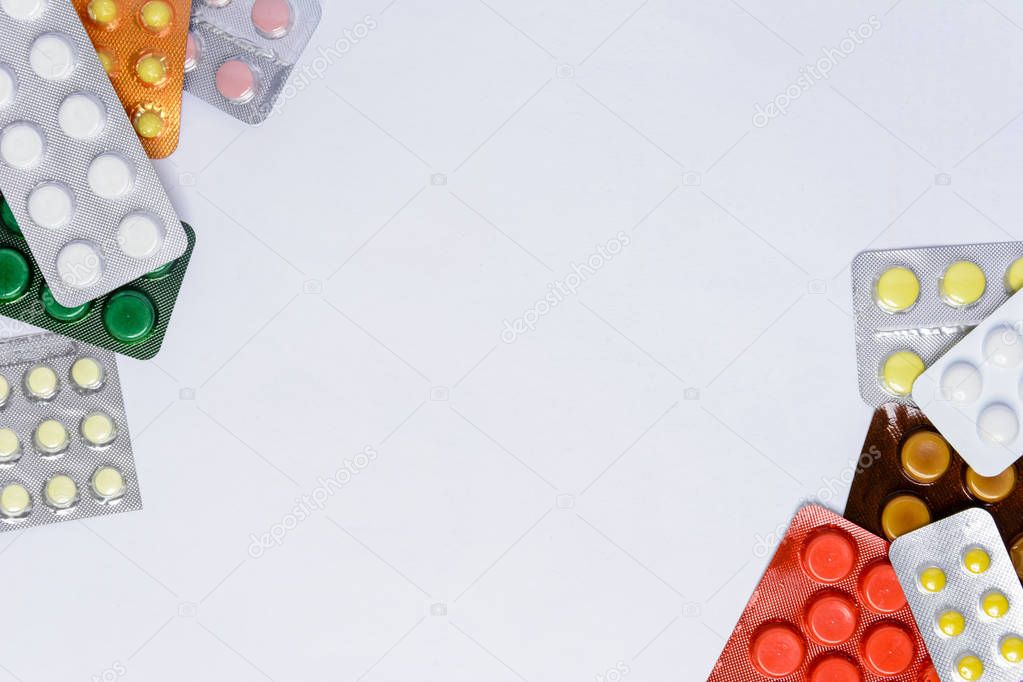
(241,52)
(908,475)
(87,197)
(965,596)
(829,608)
(912,305)
(132,320)
(65,452)
(141,44)
(974,392)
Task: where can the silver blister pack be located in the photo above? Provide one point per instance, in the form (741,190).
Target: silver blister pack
(965,596)
(83,190)
(241,52)
(65,451)
(899,335)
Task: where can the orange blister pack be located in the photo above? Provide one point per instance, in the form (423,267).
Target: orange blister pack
(141,44)
(828,609)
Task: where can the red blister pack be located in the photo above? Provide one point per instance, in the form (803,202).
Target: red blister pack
(828,609)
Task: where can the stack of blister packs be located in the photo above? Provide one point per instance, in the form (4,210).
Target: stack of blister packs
(920,581)
(91,247)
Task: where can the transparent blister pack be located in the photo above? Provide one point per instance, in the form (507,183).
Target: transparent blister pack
(912,305)
(65,452)
(85,193)
(965,596)
(141,44)
(241,52)
(828,608)
(974,392)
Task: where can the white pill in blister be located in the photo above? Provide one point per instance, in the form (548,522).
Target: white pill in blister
(81,116)
(80,264)
(111,176)
(1003,347)
(53,56)
(51,205)
(8,86)
(140,235)
(22,145)
(997,424)
(961,383)
(23,9)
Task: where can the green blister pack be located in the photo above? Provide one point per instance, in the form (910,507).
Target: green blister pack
(131,320)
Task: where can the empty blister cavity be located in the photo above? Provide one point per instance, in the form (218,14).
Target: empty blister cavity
(51,205)
(998,424)
(53,56)
(961,383)
(111,176)
(82,116)
(22,145)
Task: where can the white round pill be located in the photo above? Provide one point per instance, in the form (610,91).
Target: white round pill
(8,86)
(80,264)
(51,205)
(23,9)
(81,116)
(961,383)
(997,424)
(111,176)
(53,56)
(140,235)
(22,145)
(1003,346)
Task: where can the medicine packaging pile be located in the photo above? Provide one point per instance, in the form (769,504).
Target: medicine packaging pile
(920,579)
(92,250)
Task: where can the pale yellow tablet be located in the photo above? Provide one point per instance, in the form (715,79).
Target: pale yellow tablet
(963,283)
(61,492)
(15,501)
(87,374)
(5,390)
(10,446)
(900,371)
(107,483)
(50,437)
(41,382)
(98,429)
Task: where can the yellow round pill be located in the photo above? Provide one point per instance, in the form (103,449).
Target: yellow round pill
(103,12)
(107,483)
(994,604)
(156,15)
(50,437)
(963,283)
(15,501)
(87,374)
(970,668)
(1014,276)
(932,579)
(151,69)
(61,492)
(149,124)
(900,371)
(1011,649)
(107,59)
(41,382)
(897,289)
(951,623)
(10,446)
(98,429)
(976,560)
(5,390)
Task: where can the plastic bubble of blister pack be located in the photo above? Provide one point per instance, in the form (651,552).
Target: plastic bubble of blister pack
(913,304)
(141,44)
(65,452)
(965,596)
(241,52)
(81,187)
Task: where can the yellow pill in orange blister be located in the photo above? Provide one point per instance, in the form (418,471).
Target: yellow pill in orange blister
(103,12)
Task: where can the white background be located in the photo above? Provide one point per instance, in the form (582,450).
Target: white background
(606,489)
